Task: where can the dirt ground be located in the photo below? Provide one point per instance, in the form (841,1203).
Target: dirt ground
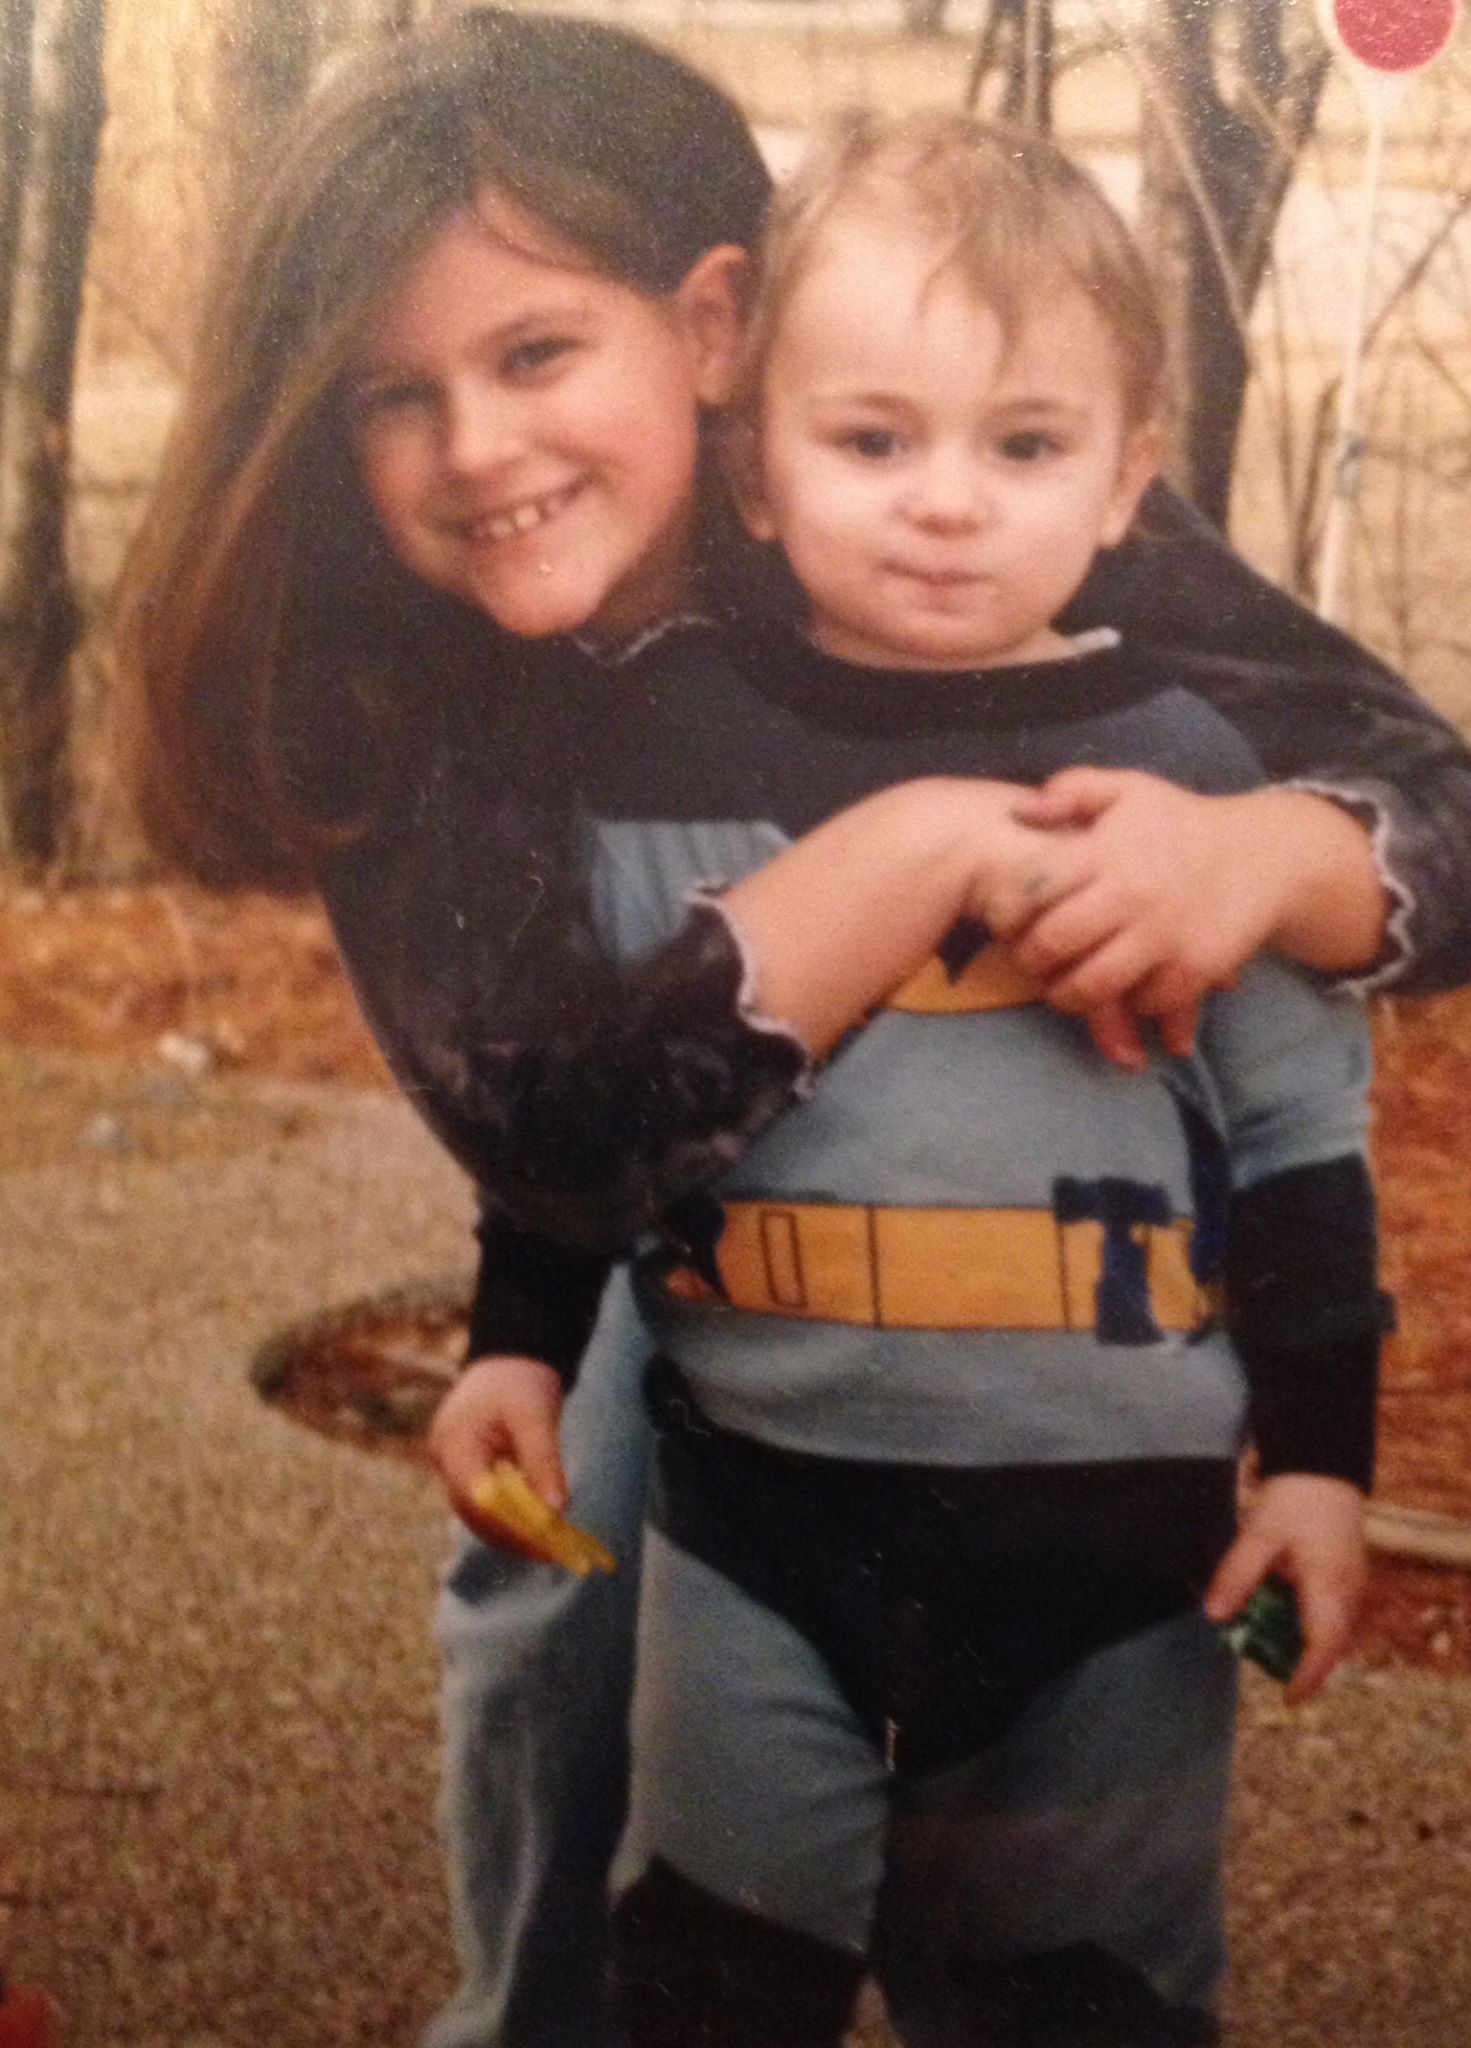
(217,1716)
(171,975)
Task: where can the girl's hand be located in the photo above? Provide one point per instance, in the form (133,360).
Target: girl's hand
(499,1407)
(1156,894)
(1309,1530)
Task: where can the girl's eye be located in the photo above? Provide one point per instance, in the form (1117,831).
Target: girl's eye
(390,400)
(1029,444)
(526,358)
(873,444)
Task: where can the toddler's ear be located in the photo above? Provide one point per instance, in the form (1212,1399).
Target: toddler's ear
(1139,465)
(709,302)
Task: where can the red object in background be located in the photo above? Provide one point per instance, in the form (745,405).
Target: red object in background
(1394,35)
(26,2016)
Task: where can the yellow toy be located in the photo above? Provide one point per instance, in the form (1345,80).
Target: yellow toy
(507,1496)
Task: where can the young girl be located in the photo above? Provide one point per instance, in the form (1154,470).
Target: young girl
(328,693)
(951,1415)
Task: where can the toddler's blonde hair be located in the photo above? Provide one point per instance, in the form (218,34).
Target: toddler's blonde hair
(1004,207)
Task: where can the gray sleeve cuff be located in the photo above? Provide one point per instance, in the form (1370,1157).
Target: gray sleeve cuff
(1377,808)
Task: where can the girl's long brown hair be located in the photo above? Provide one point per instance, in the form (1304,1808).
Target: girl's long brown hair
(269,651)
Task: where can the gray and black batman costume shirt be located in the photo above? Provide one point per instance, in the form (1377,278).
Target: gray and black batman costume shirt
(976,1243)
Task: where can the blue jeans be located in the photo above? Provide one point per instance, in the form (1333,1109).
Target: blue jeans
(538,1669)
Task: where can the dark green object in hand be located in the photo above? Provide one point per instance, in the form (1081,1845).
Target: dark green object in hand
(1268,1629)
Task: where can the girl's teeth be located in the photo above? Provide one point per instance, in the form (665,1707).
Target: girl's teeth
(505,525)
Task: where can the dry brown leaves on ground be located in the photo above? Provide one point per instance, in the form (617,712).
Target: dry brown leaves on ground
(252,983)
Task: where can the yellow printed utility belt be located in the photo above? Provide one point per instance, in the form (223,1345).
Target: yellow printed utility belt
(938,1268)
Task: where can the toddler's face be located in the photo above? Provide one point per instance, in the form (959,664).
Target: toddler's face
(525,426)
(939,491)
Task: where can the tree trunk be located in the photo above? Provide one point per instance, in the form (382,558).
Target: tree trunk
(1018,38)
(922,17)
(266,55)
(38,613)
(15,136)
(1217,167)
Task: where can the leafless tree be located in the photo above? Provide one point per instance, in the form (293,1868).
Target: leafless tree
(1232,89)
(15,80)
(922,17)
(1018,38)
(54,108)
(269,51)
(51,114)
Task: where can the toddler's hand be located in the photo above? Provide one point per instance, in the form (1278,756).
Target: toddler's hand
(1028,880)
(1154,894)
(1310,1531)
(499,1407)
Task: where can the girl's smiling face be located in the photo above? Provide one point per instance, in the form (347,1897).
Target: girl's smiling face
(526,426)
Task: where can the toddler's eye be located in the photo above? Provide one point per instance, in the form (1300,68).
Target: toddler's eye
(1030,444)
(874,444)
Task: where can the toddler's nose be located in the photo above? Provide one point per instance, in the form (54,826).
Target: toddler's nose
(948,490)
